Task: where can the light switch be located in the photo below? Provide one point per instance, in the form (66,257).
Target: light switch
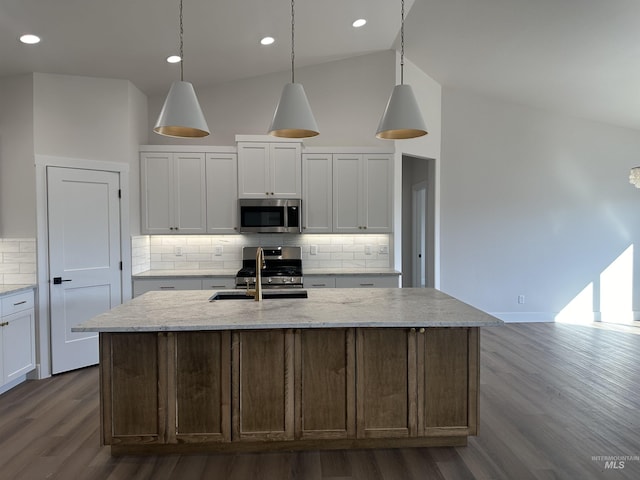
(313,250)
(217,250)
(383,249)
(367,249)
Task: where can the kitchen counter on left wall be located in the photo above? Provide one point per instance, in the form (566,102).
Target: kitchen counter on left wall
(11,289)
(193,273)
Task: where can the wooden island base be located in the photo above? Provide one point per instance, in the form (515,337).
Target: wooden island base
(288,389)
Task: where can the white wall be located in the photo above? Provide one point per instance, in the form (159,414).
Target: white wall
(347,98)
(534,204)
(17,173)
(98,119)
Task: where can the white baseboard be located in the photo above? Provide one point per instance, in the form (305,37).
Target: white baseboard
(525,317)
(12,384)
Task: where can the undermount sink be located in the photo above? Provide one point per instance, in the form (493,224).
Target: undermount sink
(266,294)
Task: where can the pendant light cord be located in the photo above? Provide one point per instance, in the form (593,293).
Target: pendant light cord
(402,44)
(181,48)
(293,27)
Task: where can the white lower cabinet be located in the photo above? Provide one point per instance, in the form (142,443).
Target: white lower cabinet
(351,281)
(17,336)
(320,281)
(217,283)
(143,285)
(366,281)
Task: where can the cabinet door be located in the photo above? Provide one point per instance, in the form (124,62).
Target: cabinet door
(18,345)
(448,370)
(378,188)
(253,170)
(222,193)
(317,205)
(347,194)
(285,170)
(263,392)
(157,193)
(199,388)
(190,194)
(386,382)
(325,384)
(133,377)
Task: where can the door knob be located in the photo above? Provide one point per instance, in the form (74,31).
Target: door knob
(59,280)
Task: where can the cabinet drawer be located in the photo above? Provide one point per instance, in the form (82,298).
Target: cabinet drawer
(367,281)
(219,283)
(147,285)
(320,281)
(17,303)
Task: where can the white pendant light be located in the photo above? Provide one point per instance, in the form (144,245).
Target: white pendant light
(402,118)
(181,115)
(293,117)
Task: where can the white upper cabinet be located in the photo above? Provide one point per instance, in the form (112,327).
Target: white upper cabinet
(173,193)
(317,202)
(222,193)
(269,170)
(362,193)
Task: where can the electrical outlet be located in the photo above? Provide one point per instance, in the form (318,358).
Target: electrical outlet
(521,299)
(367,249)
(217,250)
(383,249)
(313,250)
(178,251)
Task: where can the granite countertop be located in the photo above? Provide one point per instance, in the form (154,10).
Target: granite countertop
(325,308)
(232,272)
(9,289)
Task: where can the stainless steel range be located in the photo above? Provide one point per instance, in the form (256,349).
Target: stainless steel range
(282,268)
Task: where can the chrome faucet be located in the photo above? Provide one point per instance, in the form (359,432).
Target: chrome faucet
(260,264)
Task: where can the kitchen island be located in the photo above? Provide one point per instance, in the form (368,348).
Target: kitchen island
(344,368)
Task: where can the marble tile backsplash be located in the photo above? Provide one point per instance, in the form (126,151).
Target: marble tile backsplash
(201,252)
(17,261)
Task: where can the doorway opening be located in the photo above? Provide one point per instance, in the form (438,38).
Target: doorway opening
(418,222)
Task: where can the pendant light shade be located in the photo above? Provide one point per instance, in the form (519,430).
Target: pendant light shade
(634,177)
(293,117)
(181,115)
(402,118)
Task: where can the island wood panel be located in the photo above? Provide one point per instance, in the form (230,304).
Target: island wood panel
(325,384)
(263,390)
(200,387)
(386,382)
(133,381)
(448,381)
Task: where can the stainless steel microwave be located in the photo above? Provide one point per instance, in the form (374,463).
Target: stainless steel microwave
(270,215)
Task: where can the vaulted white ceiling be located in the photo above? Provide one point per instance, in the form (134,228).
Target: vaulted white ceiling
(578,56)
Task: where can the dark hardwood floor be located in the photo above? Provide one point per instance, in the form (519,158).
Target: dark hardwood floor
(553,397)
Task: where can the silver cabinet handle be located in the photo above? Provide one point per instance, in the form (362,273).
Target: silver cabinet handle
(19,303)
(367,284)
(167,288)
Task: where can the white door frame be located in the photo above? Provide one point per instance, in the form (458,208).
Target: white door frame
(43,330)
(419,233)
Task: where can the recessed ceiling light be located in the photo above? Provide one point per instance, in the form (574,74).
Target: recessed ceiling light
(174,59)
(30,39)
(267,40)
(359,23)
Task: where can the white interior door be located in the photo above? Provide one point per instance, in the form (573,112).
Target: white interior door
(419,243)
(84,259)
